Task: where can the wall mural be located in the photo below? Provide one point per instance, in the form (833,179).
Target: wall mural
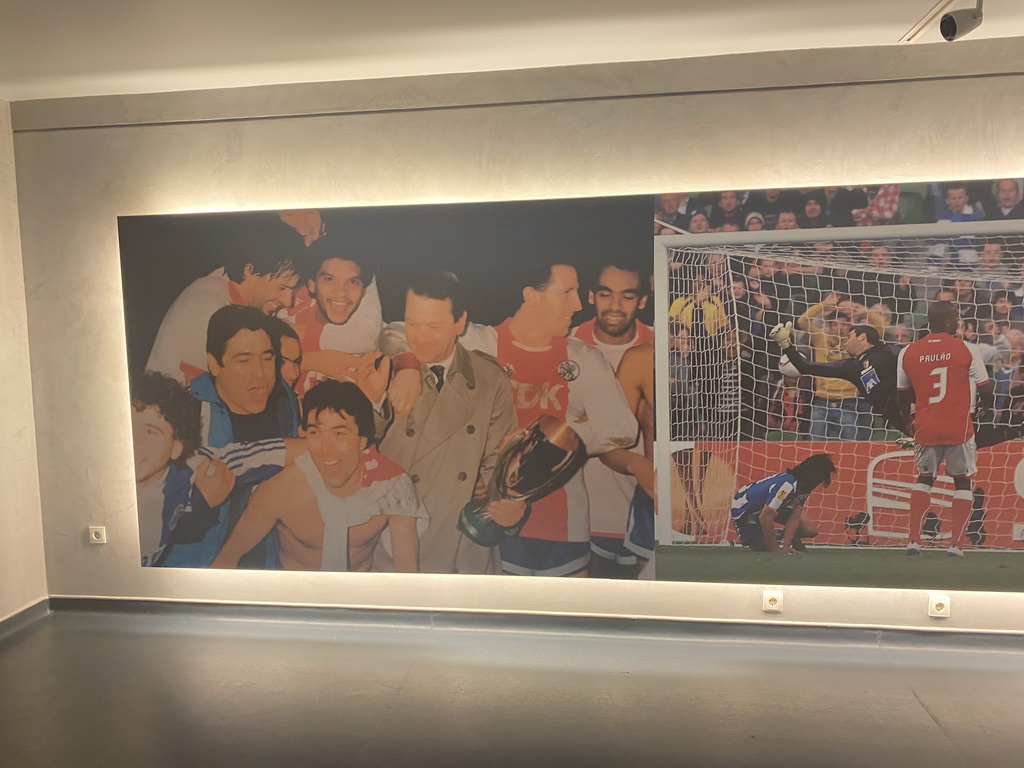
(470,388)
(426,388)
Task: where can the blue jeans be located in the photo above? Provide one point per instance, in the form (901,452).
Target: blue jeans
(846,419)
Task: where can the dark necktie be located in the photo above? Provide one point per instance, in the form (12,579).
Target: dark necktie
(438,371)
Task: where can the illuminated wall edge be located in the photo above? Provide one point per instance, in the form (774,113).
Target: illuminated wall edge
(22,567)
(73,184)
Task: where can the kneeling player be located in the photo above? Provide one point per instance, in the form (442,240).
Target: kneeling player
(779,500)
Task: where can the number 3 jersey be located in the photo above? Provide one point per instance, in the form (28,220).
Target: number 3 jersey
(944,373)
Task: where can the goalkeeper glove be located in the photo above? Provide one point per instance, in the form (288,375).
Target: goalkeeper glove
(782,334)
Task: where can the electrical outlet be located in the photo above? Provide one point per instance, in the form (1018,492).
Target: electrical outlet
(771,601)
(938,606)
(97,534)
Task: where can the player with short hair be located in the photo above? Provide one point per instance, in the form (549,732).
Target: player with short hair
(758,507)
(260,270)
(619,293)
(170,467)
(938,375)
(555,374)
(332,506)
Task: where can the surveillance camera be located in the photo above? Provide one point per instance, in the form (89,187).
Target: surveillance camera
(955,25)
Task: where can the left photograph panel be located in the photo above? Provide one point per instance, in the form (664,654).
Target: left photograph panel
(439,389)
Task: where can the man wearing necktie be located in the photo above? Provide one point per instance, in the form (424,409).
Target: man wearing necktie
(449,441)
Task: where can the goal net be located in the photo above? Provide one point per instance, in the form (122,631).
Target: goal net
(739,410)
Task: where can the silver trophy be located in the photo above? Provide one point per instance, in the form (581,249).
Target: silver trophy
(537,460)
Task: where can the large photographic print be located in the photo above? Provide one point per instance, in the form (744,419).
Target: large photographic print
(334,389)
(846,394)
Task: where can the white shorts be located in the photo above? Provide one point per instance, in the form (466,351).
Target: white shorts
(960,459)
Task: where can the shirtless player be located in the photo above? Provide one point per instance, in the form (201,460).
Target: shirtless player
(336,502)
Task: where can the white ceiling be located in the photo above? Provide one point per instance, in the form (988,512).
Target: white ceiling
(59,48)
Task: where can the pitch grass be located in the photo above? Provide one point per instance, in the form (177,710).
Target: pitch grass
(932,569)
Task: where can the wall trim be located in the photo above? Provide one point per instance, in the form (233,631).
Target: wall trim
(24,618)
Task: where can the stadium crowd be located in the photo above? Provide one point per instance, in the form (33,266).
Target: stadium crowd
(725,375)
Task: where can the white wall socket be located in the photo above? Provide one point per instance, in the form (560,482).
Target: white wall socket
(97,534)
(938,606)
(771,601)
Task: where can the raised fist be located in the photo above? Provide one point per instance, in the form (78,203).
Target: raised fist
(782,334)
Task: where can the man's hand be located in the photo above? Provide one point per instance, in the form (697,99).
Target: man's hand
(372,374)
(506,512)
(782,334)
(405,388)
(832,299)
(214,480)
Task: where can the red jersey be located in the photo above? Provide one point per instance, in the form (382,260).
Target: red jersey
(943,372)
(537,387)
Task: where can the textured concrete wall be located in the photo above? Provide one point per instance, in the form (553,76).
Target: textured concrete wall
(74,183)
(22,568)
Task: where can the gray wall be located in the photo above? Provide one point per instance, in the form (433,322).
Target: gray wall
(441,139)
(22,569)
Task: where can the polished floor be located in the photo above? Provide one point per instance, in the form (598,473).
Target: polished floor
(88,685)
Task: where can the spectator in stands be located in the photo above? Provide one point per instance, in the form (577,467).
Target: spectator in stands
(899,334)
(881,286)
(839,203)
(764,276)
(702,313)
(1008,203)
(668,220)
(769,202)
(699,224)
(993,265)
(966,294)
(754,222)
(883,311)
(787,220)
(882,208)
(958,206)
(680,387)
(727,210)
(754,311)
(716,268)
(812,214)
(1001,310)
(992,255)
(1017,288)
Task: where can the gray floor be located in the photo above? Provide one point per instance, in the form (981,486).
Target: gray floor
(201,686)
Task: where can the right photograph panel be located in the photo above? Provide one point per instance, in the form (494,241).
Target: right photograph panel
(846,395)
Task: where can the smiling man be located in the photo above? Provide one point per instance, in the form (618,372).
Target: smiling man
(337,502)
(551,373)
(449,441)
(260,271)
(242,395)
(331,333)
(617,297)
(242,400)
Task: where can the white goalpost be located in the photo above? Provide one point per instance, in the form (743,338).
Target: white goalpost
(732,409)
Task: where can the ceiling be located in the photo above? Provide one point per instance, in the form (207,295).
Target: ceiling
(61,48)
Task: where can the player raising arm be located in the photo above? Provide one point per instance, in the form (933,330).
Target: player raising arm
(760,506)
(938,376)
